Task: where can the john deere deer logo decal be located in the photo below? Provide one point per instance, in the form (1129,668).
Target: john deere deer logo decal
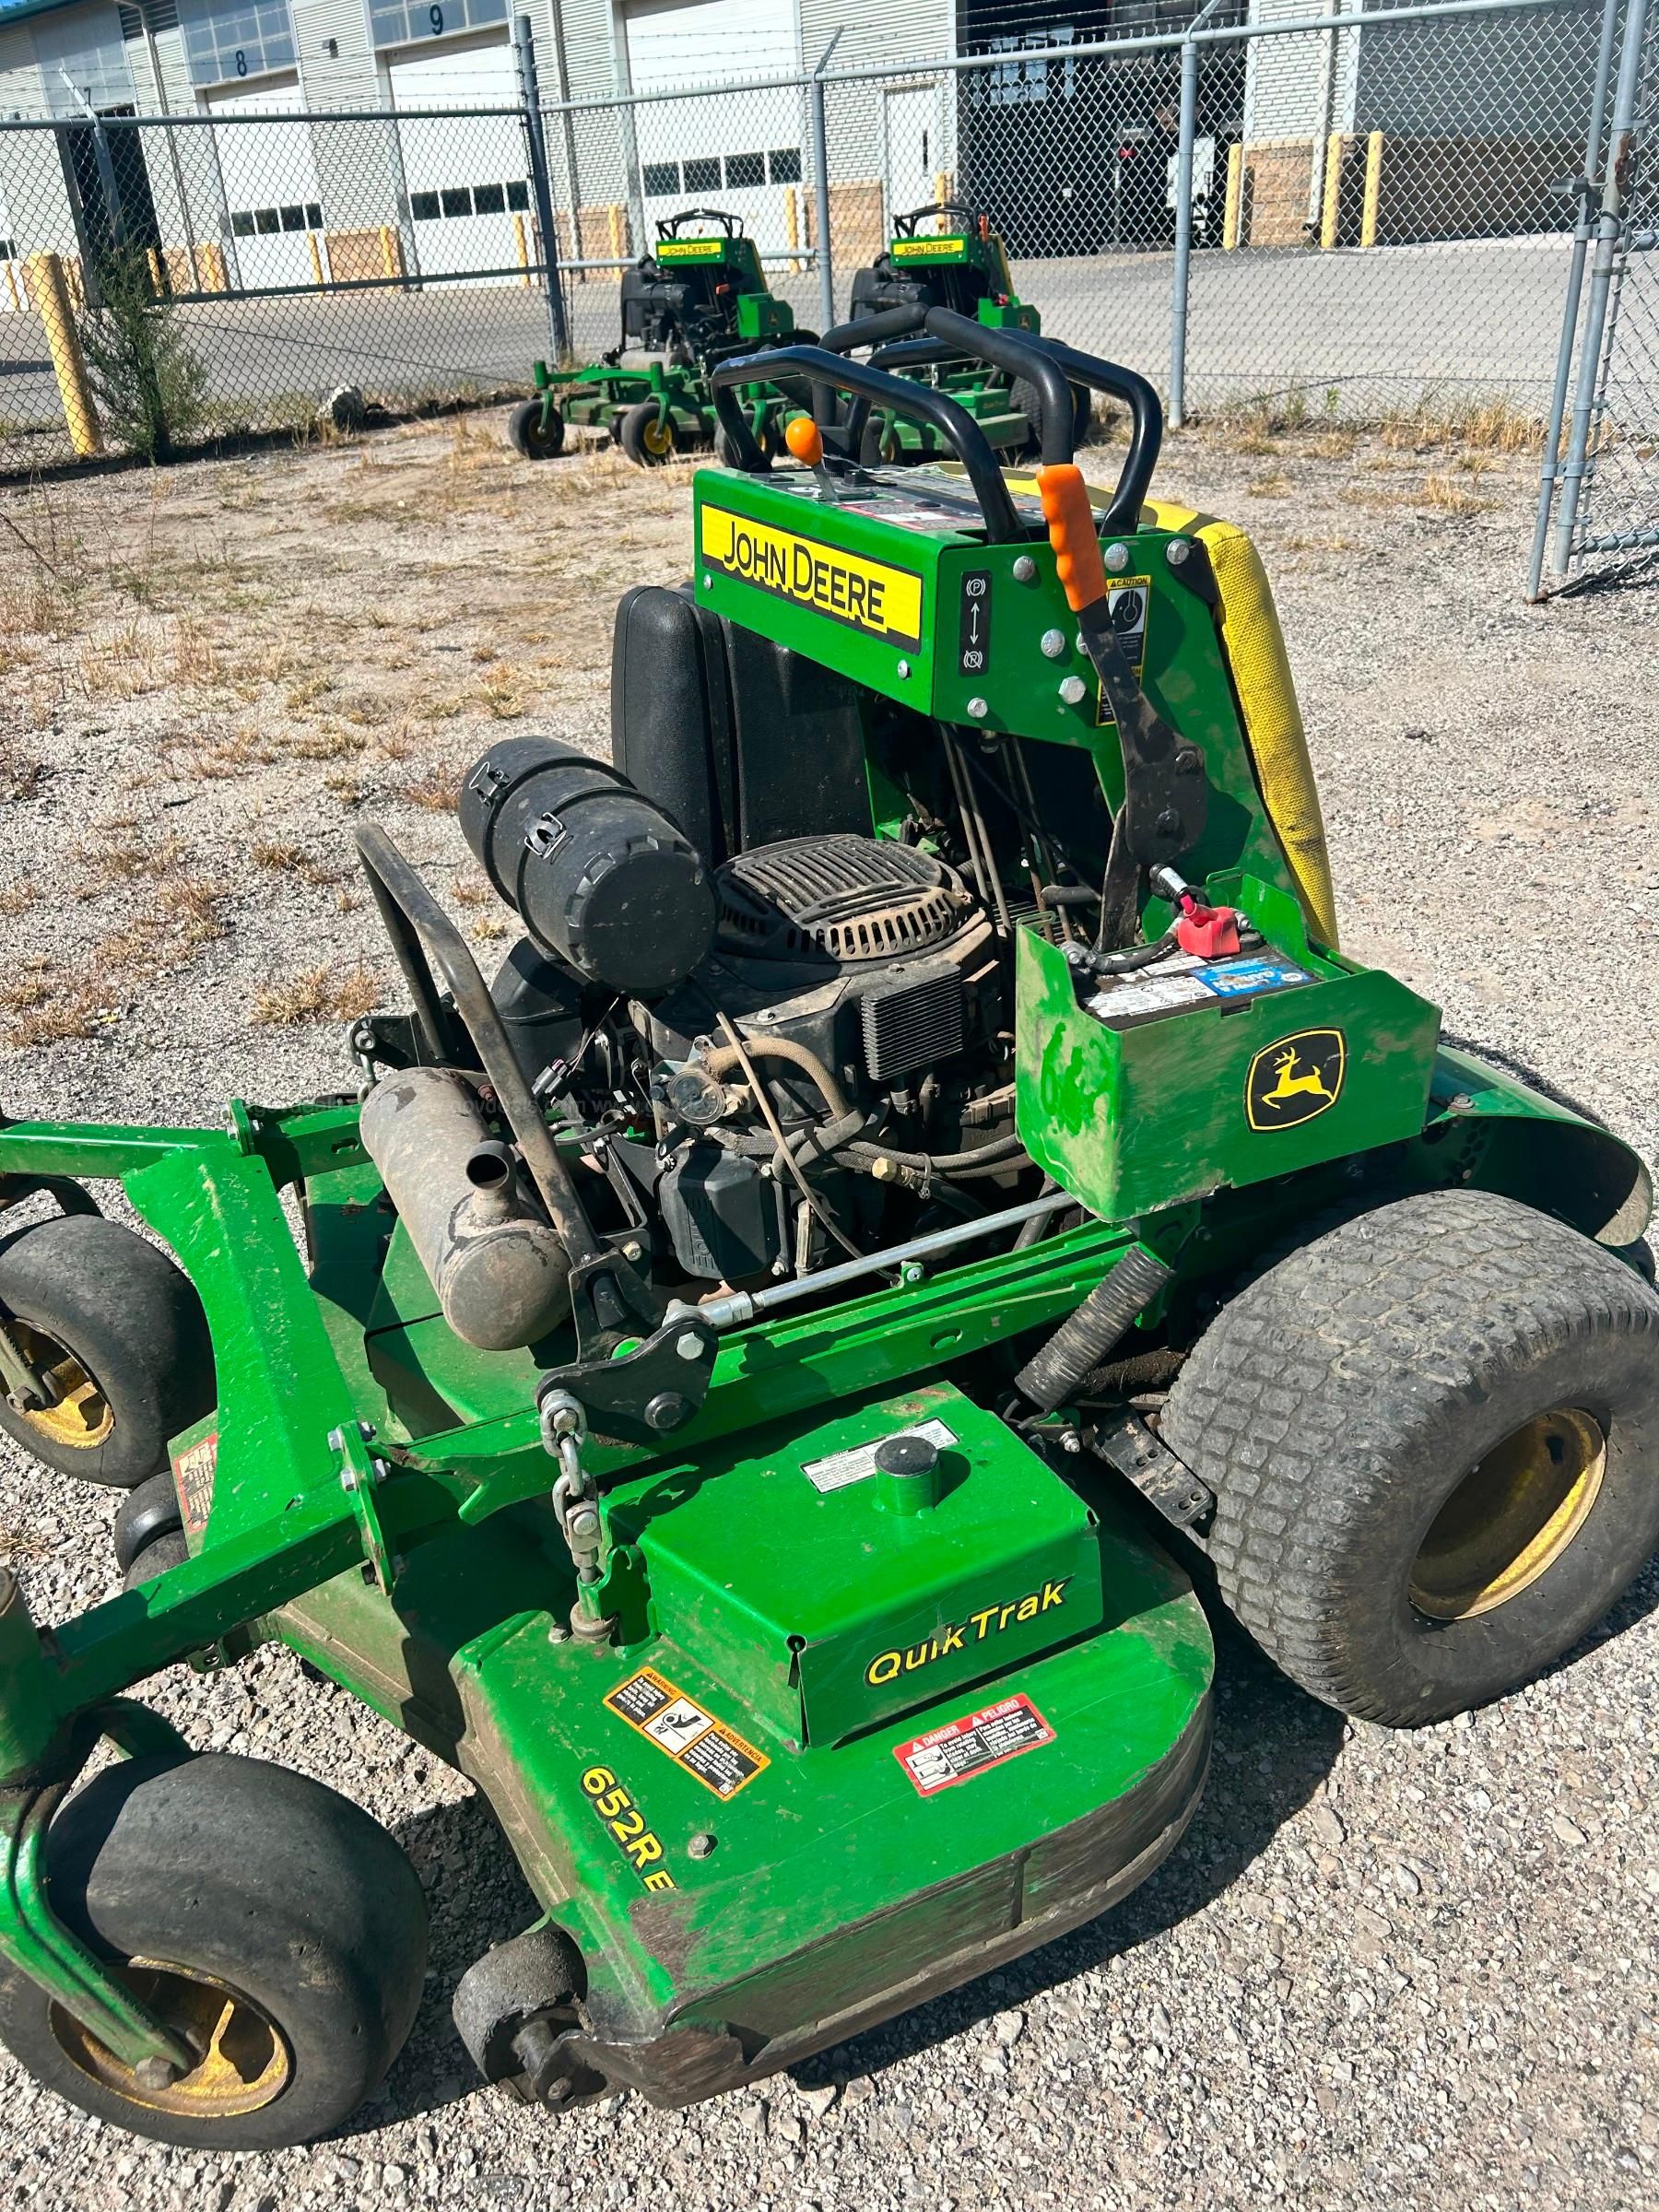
(1294,1078)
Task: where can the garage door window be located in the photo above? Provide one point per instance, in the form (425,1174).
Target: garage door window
(738,172)
(396,24)
(469,199)
(703,176)
(240,42)
(249,222)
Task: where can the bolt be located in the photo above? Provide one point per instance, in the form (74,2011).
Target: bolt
(366,1430)
(708,580)
(336,1439)
(1025,569)
(348,1480)
(903,670)
(1460,1104)
(1053,643)
(1176,551)
(380,1469)
(1116,557)
(689,1346)
(634,1251)
(701,1845)
(667,1409)
(558,1633)
(1070,1441)
(912,1271)
(1168,823)
(1187,759)
(1073,690)
(978,709)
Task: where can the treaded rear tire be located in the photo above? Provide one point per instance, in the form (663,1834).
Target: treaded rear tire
(1339,1399)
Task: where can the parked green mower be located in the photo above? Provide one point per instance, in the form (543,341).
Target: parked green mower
(960,262)
(698,298)
(751,1371)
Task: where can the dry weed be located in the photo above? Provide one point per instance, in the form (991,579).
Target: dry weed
(1274,487)
(19,776)
(16,898)
(1446,495)
(435,790)
(318,994)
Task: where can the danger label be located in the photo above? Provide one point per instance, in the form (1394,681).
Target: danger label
(1126,602)
(194,1474)
(717,1755)
(960,1750)
(883,602)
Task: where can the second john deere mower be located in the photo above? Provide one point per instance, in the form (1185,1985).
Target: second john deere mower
(700,297)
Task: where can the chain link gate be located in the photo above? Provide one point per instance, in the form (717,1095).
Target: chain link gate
(1599,487)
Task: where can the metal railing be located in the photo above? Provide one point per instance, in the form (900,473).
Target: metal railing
(1329,211)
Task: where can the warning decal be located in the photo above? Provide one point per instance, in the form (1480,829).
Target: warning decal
(675,1723)
(193,1473)
(1126,602)
(960,1750)
(883,602)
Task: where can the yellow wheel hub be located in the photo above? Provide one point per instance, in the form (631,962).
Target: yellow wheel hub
(1511,1517)
(79,1416)
(659,437)
(242,2061)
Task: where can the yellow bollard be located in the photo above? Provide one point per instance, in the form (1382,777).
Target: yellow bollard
(941,185)
(43,278)
(791,224)
(1373,189)
(522,242)
(618,237)
(316,255)
(1235,195)
(390,250)
(1331,205)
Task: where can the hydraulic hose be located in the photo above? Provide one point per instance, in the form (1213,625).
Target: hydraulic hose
(1082,1341)
(726,1060)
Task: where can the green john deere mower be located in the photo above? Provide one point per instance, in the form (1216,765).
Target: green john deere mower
(958,263)
(752,1370)
(700,297)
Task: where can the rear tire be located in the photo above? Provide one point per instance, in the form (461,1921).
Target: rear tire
(1433,1437)
(646,436)
(124,1333)
(281,1930)
(529,435)
(1024,396)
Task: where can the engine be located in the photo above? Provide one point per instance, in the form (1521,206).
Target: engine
(801,1055)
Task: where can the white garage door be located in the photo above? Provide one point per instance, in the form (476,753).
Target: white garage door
(271,190)
(465,173)
(740,152)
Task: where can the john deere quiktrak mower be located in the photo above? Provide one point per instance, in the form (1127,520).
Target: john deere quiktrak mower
(925,1149)
(960,263)
(700,297)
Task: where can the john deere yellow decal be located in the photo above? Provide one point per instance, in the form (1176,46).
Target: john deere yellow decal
(687,249)
(1295,1077)
(928,249)
(864,594)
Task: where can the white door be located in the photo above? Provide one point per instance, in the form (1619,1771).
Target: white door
(271,190)
(913,152)
(466,174)
(741,152)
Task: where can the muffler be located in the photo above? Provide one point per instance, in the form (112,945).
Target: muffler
(500,1273)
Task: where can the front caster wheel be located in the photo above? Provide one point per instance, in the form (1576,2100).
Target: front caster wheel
(272,1925)
(646,435)
(536,430)
(1433,1437)
(117,1332)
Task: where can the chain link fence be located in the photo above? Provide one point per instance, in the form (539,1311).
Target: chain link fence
(1317,211)
(1598,502)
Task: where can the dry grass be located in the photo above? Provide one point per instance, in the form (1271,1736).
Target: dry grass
(1275,486)
(1493,426)
(434,789)
(318,994)
(20,775)
(16,898)
(1446,495)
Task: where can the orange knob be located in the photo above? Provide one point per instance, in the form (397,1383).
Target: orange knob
(805,440)
(1071,527)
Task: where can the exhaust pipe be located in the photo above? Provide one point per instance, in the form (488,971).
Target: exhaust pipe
(502,1274)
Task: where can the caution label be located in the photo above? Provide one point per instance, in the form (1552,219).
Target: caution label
(1126,602)
(864,594)
(928,249)
(960,1750)
(688,249)
(194,1475)
(717,1755)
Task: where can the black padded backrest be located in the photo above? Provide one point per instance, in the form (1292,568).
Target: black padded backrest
(742,741)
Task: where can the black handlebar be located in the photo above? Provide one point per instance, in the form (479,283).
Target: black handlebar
(1145,423)
(818,367)
(1004,350)
(904,226)
(668,225)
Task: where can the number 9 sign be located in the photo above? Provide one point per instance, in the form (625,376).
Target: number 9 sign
(435,18)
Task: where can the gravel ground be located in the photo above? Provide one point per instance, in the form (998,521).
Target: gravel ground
(1382,1968)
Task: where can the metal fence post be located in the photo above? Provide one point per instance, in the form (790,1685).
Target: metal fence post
(1570,305)
(1183,218)
(820,189)
(524,46)
(1608,223)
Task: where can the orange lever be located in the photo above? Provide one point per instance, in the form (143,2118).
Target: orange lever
(1071,528)
(806,440)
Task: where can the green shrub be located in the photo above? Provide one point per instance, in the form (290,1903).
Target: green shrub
(148,383)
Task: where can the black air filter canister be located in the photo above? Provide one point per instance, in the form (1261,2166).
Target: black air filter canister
(603,878)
